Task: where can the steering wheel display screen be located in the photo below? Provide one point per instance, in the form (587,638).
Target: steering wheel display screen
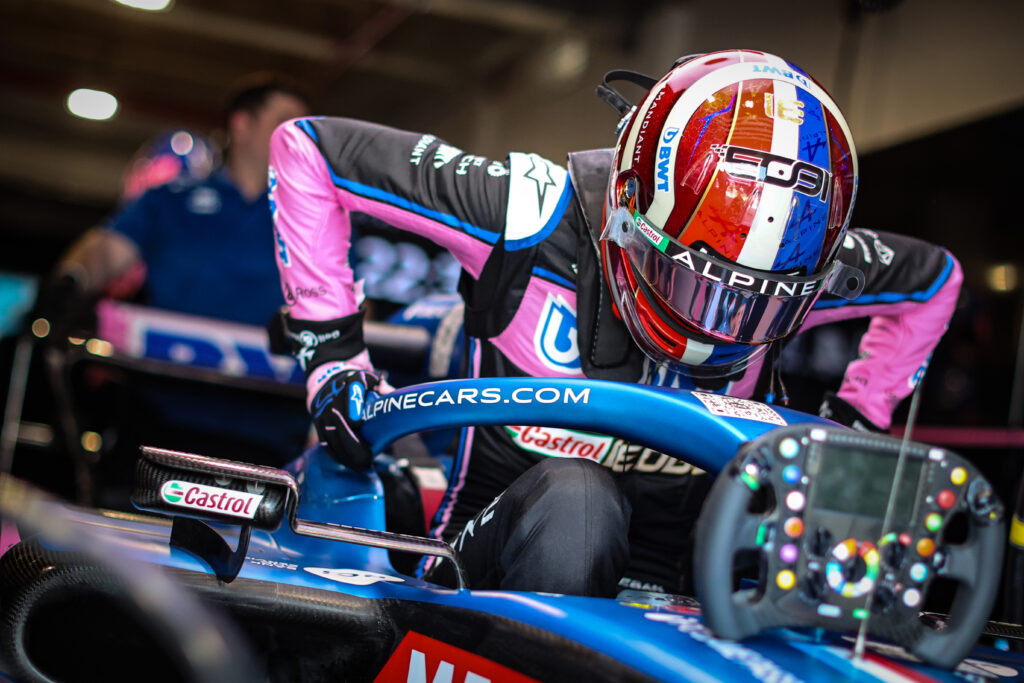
(857,481)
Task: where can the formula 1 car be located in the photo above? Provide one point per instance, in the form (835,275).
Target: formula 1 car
(300,559)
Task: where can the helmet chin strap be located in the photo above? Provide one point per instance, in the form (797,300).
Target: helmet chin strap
(773,395)
(613,97)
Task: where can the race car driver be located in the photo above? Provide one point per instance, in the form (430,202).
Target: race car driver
(716,228)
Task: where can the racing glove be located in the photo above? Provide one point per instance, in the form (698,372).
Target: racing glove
(339,377)
(337,411)
(839,410)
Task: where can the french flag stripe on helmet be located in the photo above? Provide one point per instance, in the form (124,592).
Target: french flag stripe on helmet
(684,109)
(810,214)
(786,141)
(776,204)
(696,352)
(665,199)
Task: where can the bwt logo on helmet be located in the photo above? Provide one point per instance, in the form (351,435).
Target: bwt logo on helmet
(769,70)
(664,156)
(210,499)
(801,176)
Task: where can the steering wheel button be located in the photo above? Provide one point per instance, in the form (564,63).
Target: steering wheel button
(946,499)
(788,448)
(933,522)
(958,476)
(795,501)
(834,576)
(925,547)
(793,527)
(788,553)
(911,597)
(918,572)
(905,539)
(791,474)
(785,579)
(844,550)
(826,610)
(893,553)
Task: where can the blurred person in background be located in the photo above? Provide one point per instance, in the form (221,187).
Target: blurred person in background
(193,237)
(201,241)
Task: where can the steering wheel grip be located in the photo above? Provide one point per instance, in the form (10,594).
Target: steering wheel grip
(723,529)
(975,595)
(727,525)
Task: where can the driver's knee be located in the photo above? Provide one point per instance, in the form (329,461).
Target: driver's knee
(571,531)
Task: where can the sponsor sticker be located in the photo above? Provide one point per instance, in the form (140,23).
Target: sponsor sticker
(610,452)
(773,169)
(762,668)
(276,564)
(561,443)
(421,659)
(771,71)
(382,405)
(728,406)
(445,154)
(210,499)
(353,577)
(356,397)
(555,338)
(656,238)
(420,149)
(309,341)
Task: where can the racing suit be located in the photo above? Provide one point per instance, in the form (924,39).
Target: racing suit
(525,232)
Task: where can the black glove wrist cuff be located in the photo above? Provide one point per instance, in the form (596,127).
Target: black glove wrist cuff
(839,410)
(315,342)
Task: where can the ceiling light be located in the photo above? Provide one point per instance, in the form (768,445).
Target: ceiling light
(92,104)
(569,59)
(1002,278)
(182,143)
(147,5)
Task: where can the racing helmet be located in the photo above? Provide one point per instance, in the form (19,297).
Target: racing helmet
(178,154)
(731,188)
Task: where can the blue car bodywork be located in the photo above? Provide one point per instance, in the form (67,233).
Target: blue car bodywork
(344,608)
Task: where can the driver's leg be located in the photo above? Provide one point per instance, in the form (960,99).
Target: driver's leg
(561,527)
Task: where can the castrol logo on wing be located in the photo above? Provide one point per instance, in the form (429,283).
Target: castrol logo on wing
(210,499)
(561,443)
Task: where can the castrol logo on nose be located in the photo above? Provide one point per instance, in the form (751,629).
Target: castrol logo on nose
(210,499)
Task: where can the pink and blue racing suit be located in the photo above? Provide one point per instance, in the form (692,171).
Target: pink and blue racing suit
(524,230)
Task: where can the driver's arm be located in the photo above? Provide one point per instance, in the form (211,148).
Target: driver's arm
(100,260)
(322,170)
(910,293)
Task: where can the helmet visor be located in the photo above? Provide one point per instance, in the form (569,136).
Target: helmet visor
(721,299)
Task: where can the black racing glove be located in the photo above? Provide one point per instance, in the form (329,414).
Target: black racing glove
(839,410)
(337,411)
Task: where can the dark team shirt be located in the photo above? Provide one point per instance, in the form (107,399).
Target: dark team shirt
(208,251)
